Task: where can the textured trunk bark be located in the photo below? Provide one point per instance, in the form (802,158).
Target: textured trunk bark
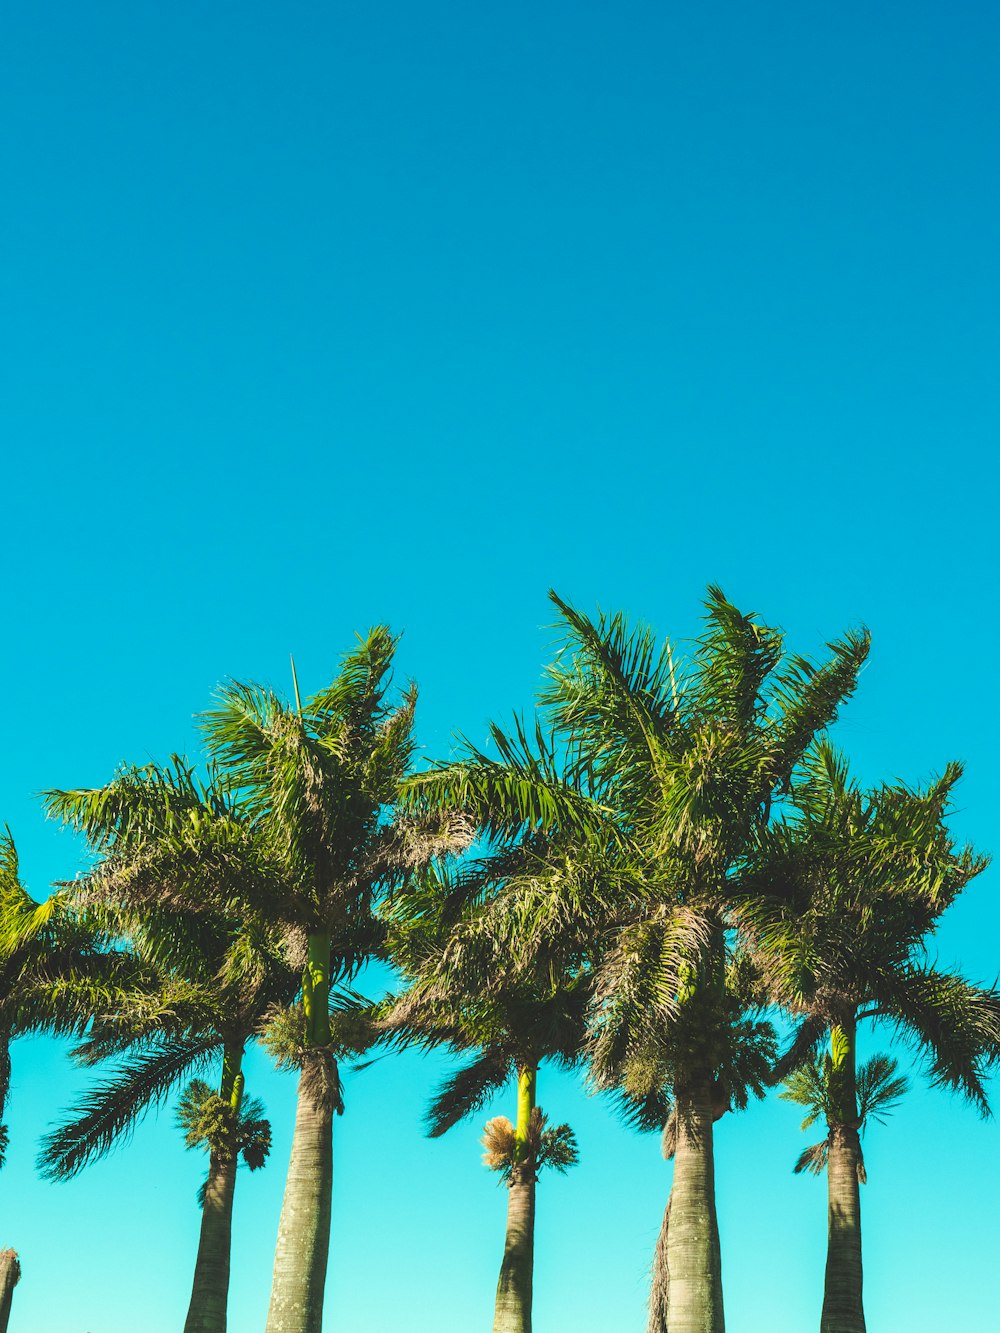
(10,1276)
(210,1290)
(659,1292)
(693,1257)
(303,1247)
(843,1311)
(513,1303)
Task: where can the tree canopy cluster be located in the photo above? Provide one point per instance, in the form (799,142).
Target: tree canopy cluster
(668,878)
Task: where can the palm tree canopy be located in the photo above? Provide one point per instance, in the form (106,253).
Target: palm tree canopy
(524,1016)
(320,779)
(838,901)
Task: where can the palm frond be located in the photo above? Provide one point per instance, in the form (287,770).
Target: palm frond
(110,1111)
(467,1090)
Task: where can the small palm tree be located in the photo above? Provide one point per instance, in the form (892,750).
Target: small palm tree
(320,778)
(730,1035)
(516,1022)
(172,848)
(814,1086)
(837,904)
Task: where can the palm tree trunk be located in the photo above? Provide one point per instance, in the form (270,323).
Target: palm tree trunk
(842,1305)
(303,1249)
(513,1301)
(694,1263)
(10,1276)
(843,1311)
(659,1292)
(4,1088)
(210,1290)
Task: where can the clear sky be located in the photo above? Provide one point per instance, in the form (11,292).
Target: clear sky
(317,315)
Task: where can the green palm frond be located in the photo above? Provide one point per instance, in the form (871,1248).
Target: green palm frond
(468,1089)
(733,659)
(880,1089)
(355,698)
(110,1111)
(616,699)
(953,1024)
(810,699)
(523,791)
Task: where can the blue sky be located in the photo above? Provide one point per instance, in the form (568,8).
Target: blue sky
(327,315)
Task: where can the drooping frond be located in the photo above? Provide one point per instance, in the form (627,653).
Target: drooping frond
(953,1024)
(109,1111)
(523,791)
(469,1088)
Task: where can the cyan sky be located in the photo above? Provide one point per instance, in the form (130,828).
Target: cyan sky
(325,314)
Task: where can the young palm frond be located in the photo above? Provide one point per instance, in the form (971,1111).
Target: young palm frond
(555,1147)
(879,1091)
(212,1123)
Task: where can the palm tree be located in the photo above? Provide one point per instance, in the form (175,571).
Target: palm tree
(690,757)
(672,772)
(53,968)
(730,1035)
(513,1024)
(170,849)
(320,780)
(836,905)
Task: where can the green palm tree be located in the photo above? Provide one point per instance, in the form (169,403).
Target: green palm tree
(690,756)
(320,779)
(672,771)
(513,1024)
(170,848)
(839,901)
(53,968)
(733,1038)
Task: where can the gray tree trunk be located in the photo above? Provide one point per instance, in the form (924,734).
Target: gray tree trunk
(303,1248)
(10,1276)
(843,1311)
(513,1304)
(659,1292)
(694,1264)
(210,1291)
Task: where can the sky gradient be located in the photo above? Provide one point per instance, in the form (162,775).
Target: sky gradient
(327,315)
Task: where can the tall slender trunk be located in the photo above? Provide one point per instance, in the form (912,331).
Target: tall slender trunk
(843,1310)
(210,1290)
(10,1276)
(303,1248)
(694,1263)
(513,1302)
